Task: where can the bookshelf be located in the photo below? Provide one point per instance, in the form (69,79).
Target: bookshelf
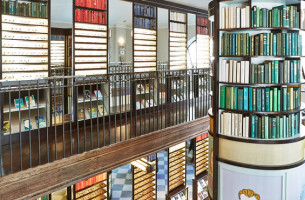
(177,40)
(144,172)
(203,42)
(177,168)
(200,187)
(144,38)
(90,41)
(96,187)
(25,39)
(201,154)
(261,68)
(57,51)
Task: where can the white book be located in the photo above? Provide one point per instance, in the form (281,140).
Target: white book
(221,123)
(225,123)
(221,70)
(244,127)
(236,125)
(233,124)
(231,71)
(227,72)
(242,72)
(222,18)
(229,124)
(247,69)
(238,18)
(234,71)
(247,17)
(247,127)
(240,125)
(227,18)
(243,18)
(234,17)
(238,72)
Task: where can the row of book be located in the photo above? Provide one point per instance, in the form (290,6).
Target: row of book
(96,4)
(89,16)
(261,127)
(202,21)
(143,90)
(260,99)
(27,9)
(144,10)
(145,103)
(176,16)
(177,27)
(145,23)
(202,30)
(286,71)
(92,112)
(27,124)
(264,44)
(269,72)
(232,71)
(280,16)
(234,17)
(91,181)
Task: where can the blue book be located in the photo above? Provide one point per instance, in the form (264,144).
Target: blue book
(276,71)
(234,46)
(246,99)
(274,100)
(267,99)
(274,45)
(235,98)
(250,99)
(259,99)
(279,100)
(253,126)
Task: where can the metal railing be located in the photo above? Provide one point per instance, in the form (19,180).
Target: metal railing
(49,119)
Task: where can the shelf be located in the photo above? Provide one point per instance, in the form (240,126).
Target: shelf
(93,9)
(260,28)
(262,84)
(266,57)
(302,108)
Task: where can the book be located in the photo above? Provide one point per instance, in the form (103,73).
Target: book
(27,125)
(40,121)
(81,114)
(101,110)
(19,103)
(6,126)
(98,94)
(234,17)
(87,94)
(30,101)
(92,112)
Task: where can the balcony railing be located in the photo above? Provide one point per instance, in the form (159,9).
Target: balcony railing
(50,119)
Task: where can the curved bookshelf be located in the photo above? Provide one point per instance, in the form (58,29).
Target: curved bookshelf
(302,108)
(262,29)
(261,84)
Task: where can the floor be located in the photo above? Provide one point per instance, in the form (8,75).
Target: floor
(122,179)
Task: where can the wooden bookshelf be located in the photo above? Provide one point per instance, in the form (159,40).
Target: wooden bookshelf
(145,182)
(177,40)
(25,40)
(203,42)
(144,37)
(90,41)
(176,166)
(96,187)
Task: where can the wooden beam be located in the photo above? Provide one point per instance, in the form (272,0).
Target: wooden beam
(44,179)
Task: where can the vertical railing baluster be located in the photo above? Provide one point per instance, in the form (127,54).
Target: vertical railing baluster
(97,111)
(10,130)
(38,114)
(61,87)
(20,132)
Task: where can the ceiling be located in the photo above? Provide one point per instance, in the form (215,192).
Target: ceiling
(120,13)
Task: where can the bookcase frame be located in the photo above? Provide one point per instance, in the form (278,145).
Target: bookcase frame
(107,35)
(215,114)
(153,169)
(48,2)
(169,37)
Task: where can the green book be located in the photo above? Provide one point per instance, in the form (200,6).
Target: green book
(267,99)
(274,100)
(279,100)
(273,72)
(262,77)
(276,71)
(289,126)
(271,100)
(222,96)
(232,97)
(284,126)
(235,98)
(263,127)
(281,128)
(266,127)
(263,99)
(228,98)
(259,127)
(253,126)
(259,99)
(253,73)
(292,125)
(250,99)
(273,136)
(266,65)
(254,99)
(277,127)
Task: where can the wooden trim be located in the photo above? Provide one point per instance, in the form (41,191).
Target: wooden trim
(41,180)
(243,165)
(174,6)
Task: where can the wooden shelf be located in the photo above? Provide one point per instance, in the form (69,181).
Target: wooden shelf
(93,9)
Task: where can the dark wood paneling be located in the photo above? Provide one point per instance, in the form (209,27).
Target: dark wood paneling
(50,177)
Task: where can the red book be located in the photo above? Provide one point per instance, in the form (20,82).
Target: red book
(82,18)
(104,4)
(82,3)
(105,18)
(77,2)
(89,16)
(100,17)
(99,4)
(94,4)
(85,16)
